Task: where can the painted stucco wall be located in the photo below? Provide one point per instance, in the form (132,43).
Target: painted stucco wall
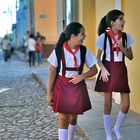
(87,18)
(46,19)
(132,10)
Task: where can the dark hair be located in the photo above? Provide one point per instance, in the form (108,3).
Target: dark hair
(105,21)
(72,28)
(31,35)
(102,26)
(28,31)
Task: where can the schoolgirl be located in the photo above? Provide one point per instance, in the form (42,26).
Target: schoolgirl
(115,46)
(67,91)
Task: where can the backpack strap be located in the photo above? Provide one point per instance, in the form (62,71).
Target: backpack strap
(58,51)
(111,52)
(124,42)
(83,56)
(104,55)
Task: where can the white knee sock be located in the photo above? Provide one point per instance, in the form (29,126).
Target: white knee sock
(120,120)
(63,134)
(71,130)
(107,125)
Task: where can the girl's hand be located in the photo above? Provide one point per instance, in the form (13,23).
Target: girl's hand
(49,99)
(127,52)
(104,74)
(76,79)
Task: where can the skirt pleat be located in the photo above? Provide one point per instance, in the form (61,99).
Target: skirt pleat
(118,79)
(70,98)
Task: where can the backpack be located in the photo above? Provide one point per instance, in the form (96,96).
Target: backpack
(58,51)
(124,43)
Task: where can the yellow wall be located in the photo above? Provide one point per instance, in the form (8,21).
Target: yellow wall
(47,26)
(131,10)
(90,14)
(87,18)
(102,8)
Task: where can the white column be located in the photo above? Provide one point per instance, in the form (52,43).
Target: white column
(116,96)
(118,4)
(68,11)
(59,17)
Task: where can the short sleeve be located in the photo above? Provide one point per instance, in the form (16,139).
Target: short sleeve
(100,41)
(130,41)
(52,59)
(90,59)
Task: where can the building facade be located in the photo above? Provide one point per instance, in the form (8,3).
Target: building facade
(50,17)
(45,19)
(23,20)
(89,13)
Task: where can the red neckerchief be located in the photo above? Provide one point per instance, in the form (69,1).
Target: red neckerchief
(65,45)
(111,34)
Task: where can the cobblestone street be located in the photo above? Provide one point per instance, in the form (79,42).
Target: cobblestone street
(24,114)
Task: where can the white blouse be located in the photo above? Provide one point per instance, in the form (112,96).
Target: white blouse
(117,58)
(31,44)
(90,60)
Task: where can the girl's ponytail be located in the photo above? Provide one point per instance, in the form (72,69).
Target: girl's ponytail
(102,26)
(72,28)
(61,40)
(105,22)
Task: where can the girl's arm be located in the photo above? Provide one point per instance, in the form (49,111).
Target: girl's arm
(92,71)
(51,79)
(104,71)
(127,52)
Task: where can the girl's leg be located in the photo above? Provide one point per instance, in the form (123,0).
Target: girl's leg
(33,58)
(39,58)
(63,126)
(5,55)
(107,116)
(125,103)
(72,126)
(30,58)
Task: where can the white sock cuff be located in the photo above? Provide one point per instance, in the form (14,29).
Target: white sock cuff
(63,129)
(72,126)
(63,134)
(122,114)
(106,116)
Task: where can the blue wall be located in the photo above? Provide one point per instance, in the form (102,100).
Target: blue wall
(22,20)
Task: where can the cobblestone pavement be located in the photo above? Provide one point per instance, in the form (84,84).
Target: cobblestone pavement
(24,114)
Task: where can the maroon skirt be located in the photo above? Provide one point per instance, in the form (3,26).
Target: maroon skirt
(70,98)
(118,80)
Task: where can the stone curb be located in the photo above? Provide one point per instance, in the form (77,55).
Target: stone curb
(37,78)
(80,131)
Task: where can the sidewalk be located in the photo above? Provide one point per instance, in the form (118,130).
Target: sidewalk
(91,123)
